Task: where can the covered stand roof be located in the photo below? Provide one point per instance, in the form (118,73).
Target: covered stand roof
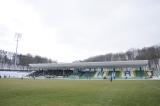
(133,63)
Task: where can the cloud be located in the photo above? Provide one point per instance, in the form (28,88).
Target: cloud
(76,29)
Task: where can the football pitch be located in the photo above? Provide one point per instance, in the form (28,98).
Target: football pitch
(27,92)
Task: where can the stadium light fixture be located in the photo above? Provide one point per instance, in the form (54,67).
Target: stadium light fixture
(18,36)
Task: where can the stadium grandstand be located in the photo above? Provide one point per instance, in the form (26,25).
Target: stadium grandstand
(135,69)
(10,71)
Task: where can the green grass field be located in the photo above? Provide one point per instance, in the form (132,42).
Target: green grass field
(16,92)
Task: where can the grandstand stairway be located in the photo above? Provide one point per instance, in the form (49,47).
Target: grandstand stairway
(105,74)
(98,75)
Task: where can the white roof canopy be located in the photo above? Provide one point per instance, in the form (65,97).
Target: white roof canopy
(133,63)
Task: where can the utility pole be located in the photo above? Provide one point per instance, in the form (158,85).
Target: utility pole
(18,36)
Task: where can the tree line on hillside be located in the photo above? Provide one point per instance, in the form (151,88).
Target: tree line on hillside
(147,53)
(23,60)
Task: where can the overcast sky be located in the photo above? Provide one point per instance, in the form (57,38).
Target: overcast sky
(68,30)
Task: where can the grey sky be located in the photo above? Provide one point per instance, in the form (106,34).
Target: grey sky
(68,30)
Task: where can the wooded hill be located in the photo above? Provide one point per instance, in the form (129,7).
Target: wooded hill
(147,53)
(22,60)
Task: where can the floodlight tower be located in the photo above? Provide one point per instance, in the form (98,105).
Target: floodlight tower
(18,36)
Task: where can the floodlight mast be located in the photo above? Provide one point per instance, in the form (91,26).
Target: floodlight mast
(18,36)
